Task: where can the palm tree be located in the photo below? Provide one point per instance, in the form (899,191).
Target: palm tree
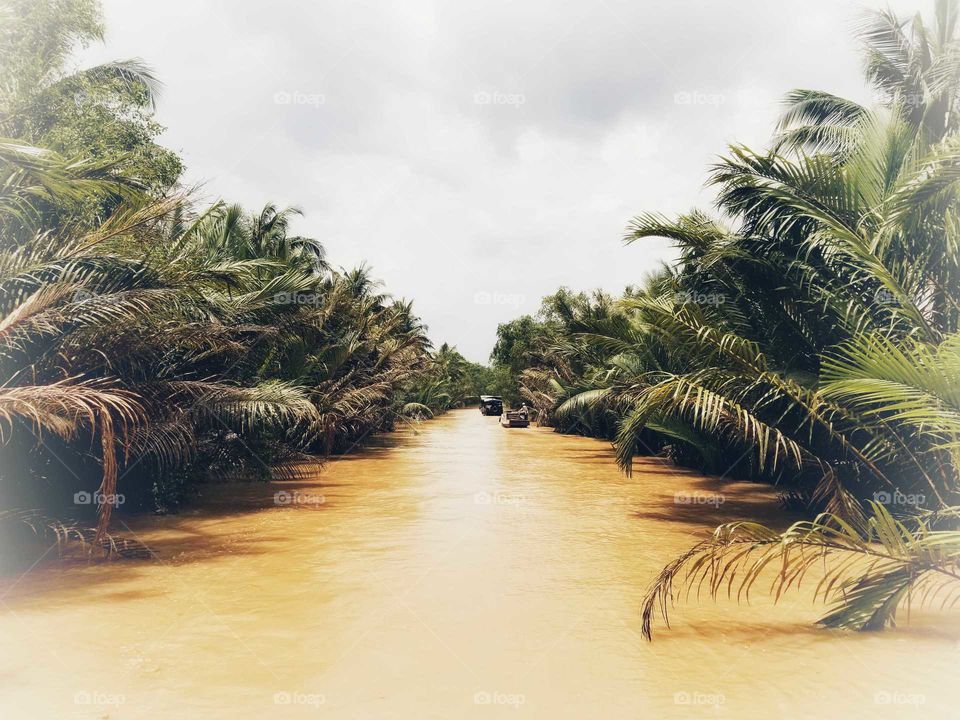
(224,347)
(809,339)
(36,43)
(147,343)
(747,366)
(915,70)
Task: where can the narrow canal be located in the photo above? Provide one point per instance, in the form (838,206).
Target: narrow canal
(459,571)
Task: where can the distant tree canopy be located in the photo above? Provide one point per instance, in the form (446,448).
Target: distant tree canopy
(529,341)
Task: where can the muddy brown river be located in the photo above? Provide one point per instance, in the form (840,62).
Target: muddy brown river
(459,571)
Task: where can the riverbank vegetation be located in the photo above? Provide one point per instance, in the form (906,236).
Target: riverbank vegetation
(149,342)
(806,337)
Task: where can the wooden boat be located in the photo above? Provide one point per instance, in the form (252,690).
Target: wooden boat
(514,418)
(491,405)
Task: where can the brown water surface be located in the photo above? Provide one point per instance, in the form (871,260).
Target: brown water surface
(464,571)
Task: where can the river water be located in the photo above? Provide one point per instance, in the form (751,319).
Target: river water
(461,570)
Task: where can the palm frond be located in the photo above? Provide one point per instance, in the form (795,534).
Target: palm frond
(863,576)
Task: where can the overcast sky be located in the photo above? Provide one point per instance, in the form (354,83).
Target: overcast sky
(478,154)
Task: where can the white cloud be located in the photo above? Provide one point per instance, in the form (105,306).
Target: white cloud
(385,146)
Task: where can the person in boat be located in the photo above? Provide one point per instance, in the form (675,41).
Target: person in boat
(524,411)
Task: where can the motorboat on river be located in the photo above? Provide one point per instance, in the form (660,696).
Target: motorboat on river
(515,418)
(491,405)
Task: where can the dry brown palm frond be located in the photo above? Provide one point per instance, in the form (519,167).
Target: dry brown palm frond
(131,218)
(64,409)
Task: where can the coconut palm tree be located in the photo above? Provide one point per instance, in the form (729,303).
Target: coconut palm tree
(182,341)
(807,339)
(914,69)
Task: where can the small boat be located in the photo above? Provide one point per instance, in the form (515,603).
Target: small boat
(514,418)
(491,405)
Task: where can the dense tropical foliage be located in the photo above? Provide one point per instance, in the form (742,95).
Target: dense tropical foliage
(146,342)
(807,337)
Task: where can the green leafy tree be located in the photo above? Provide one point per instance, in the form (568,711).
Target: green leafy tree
(99,114)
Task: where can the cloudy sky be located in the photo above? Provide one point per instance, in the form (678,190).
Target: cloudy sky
(478,154)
